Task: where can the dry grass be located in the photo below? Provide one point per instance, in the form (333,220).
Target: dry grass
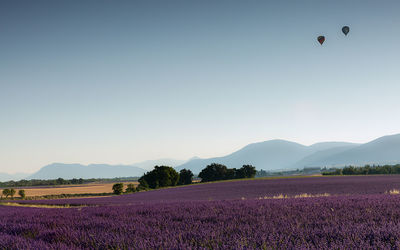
(71,189)
(12,204)
(304,195)
(393,192)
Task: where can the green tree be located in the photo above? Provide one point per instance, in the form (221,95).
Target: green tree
(118,188)
(213,172)
(21,193)
(160,176)
(130,188)
(248,171)
(185,177)
(143,185)
(60,181)
(6,192)
(231,173)
(240,173)
(350,170)
(12,192)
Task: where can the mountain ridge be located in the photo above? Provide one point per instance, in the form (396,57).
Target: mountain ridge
(75,170)
(383,150)
(272,155)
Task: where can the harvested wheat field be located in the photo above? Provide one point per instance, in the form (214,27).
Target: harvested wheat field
(95,188)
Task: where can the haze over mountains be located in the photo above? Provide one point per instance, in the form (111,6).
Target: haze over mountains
(272,155)
(70,171)
(281,155)
(9,177)
(149,165)
(269,155)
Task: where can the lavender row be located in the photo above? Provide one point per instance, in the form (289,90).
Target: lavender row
(363,222)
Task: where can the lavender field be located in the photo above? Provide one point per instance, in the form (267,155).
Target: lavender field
(250,189)
(357,214)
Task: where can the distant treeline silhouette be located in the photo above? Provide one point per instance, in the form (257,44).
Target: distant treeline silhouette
(216,172)
(59,181)
(304,171)
(365,170)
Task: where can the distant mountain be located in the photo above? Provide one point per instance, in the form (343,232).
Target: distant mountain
(12,177)
(149,165)
(280,155)
(384,150)
(275,154)
(268,155)
(330,145)
(70,171)
(318,159)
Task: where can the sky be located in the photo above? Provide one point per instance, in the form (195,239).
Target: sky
(120,82)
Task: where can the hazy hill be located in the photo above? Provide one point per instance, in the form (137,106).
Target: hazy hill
(70,171)
(149,165)
(318,159)
(12,177)
(278,154)
(321,146)
(275,154)
(384,150)
(268,155)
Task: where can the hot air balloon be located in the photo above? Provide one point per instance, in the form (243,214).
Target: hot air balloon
(321,39)
(345,30)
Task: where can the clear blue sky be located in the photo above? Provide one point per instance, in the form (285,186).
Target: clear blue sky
(126,81)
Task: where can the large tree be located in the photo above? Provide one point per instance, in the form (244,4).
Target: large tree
(118,188)
(6,192)
(247,171)
(21,193)
(213,172)
(130,188)
(160,176)
(185,177)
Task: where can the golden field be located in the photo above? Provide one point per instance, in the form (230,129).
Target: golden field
(92,188)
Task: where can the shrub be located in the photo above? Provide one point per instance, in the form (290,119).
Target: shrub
(9,192)
(22,193)
(118,188)
(130,189)
(6,192)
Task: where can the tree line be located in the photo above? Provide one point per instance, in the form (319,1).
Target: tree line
(160,176)
(165,176)
(11,192)
(216,172)
(304,171)
(59,181)
(365,170)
